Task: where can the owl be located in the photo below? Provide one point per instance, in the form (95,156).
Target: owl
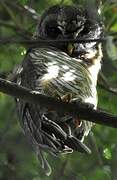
(66,71)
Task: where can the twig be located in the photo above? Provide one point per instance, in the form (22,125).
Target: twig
(9,11)
(112,34)
(22,10)
(105,84)
(23,32)
(33,43)
(81,110)
(95,149)
(61,170)
(109,89)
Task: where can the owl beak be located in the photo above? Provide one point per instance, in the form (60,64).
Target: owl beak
(61,29)
(75,49)
(70,49)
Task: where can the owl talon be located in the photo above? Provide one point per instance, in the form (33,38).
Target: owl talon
(67,97)
(57,96)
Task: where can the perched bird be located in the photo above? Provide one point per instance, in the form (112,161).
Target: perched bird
(65,71)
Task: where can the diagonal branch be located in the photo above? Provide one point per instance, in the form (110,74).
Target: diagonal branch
(19,30)
(22,10)
(108,88)
(81,110)
(104,84)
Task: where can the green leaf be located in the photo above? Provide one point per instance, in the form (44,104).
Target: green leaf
(107,153)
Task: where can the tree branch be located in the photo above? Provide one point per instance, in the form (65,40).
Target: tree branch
(82,110)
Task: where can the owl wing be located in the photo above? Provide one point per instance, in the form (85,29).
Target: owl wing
(48,70)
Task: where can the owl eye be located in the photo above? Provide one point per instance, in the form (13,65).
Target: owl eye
(53,32)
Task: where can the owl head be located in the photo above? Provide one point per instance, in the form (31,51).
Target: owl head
(69,22)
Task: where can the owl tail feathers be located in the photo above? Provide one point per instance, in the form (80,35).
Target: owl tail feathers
(77,145)
(44,163)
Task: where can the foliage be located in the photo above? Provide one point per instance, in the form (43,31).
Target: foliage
(17,160)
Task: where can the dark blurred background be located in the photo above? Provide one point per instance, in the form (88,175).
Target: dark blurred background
(18,19)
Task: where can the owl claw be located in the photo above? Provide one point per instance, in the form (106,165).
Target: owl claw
(67,97)
(57,96)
